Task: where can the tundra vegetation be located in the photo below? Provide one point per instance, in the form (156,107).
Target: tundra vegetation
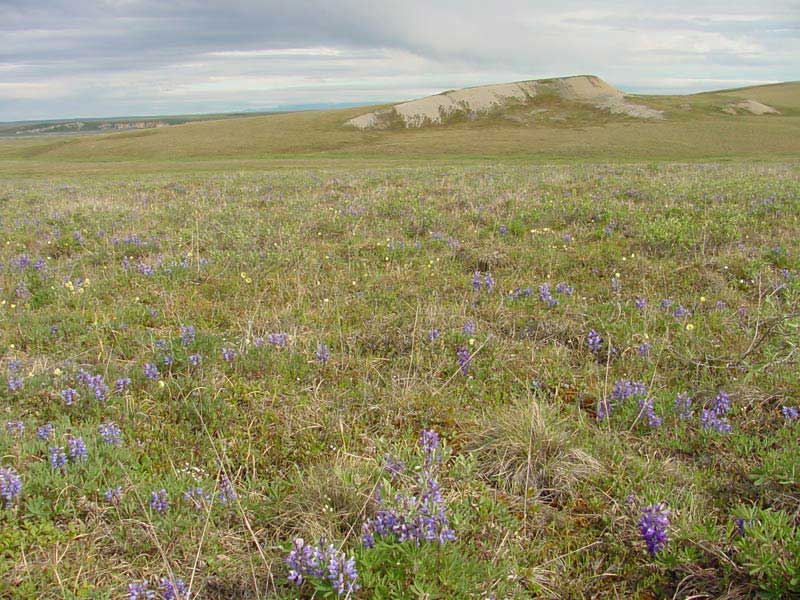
(480,381)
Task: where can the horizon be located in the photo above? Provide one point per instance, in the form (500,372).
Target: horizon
(108,59)
(322,106)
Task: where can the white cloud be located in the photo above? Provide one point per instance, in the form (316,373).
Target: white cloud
(148,56)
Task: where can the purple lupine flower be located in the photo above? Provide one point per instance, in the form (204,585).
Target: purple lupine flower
(683,403)
(160,344)
(421,517)
(433,334)
(790,413)
(722,404)
(322,562)
(14,366)
(654,526)
(666,303)
(228,354)
(14,383)
(111,434)
(464,358)
(195,360)
(342,574)
(69,395)
(258,341)
(99,387)
(15,428)
(710,419)
(503,230)
(488,282)
(323,353)
(567,237)
(594,341)
(226,492)
(429,440)
(742,525)
(168,360)
(22,290)
(197,497)
(546,296)
(174,589)
(159,501)
(469,328)
(563,288)
(10,486)
(151,371)
(122,384)
(640,303)
(477,281)
(140,591)
(45,432)
(58,458)
(647,407)
(680,313)
(281,340)
(643,349)
(113,495)
(624,389)
(187,335)
(76,448)
(720,305)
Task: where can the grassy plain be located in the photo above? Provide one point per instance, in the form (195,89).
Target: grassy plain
(454,276)
(543,496)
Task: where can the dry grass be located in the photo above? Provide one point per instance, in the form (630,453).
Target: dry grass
(527,448)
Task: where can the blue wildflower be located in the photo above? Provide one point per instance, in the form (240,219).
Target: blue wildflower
(654,526)
(10,486)
(159,501)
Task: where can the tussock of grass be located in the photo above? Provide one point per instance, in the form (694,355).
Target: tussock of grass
(527,448)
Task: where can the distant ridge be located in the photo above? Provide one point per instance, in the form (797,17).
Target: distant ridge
(474,102)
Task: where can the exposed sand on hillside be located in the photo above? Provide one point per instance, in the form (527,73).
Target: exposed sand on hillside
(434,110)
(752,106)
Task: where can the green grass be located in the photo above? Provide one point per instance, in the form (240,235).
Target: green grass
(544,497)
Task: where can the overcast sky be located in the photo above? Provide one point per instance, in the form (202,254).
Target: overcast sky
(69,58)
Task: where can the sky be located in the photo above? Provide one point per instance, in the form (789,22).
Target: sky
(77,58)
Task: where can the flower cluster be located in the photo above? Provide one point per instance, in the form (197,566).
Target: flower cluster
(683,404)
(322,562)
(653,527)
(15,428)
(76,449)
(546,296)
(464,358)
(421,516)
(594,341)
(623,390)
(483,281)
(159,501)
(10,486)
(323,353)
(715,417)
(280,340)
(187,335)
(110,433)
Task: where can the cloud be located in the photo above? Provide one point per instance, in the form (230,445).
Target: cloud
(116,57)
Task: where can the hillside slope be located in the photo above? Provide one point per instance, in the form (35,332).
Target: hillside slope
(692,127)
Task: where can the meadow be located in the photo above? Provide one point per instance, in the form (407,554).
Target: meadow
(471,381)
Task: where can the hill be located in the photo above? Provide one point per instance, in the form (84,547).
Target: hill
(567,118)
